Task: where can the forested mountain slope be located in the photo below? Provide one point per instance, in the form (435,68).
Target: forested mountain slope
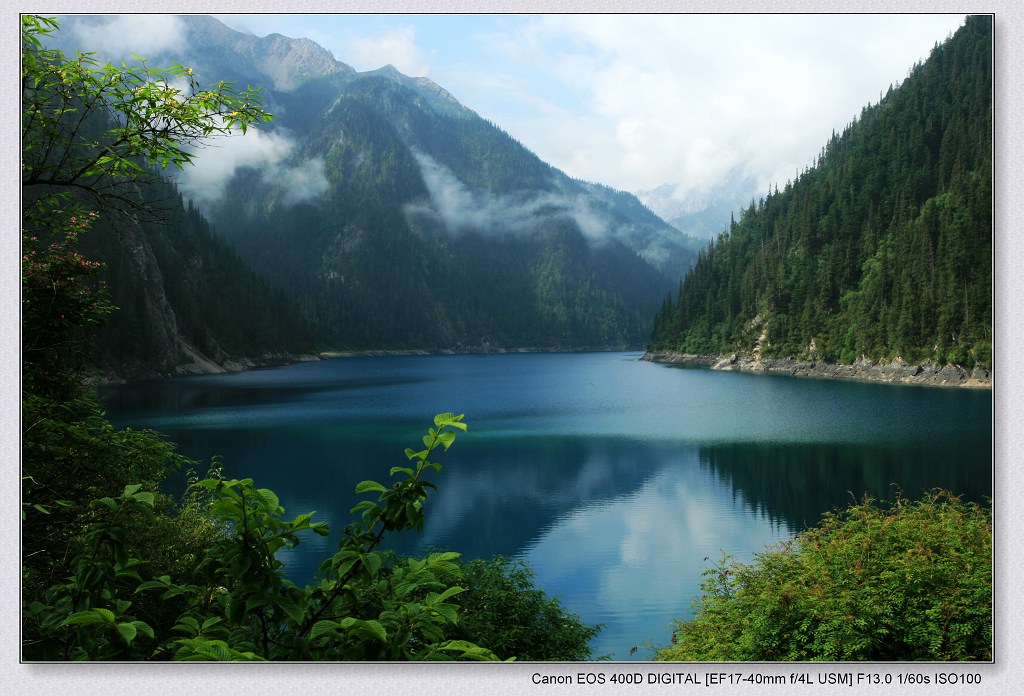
(881,250)
(395,217)
(185,301)
(438,230)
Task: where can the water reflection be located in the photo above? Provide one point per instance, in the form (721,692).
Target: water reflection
(796,483)
(619,481)
(632,562)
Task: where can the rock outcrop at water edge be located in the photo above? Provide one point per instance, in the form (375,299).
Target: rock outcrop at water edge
(896,371)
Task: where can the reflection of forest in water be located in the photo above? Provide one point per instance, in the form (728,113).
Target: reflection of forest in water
(595,440)
(497,496)
(796,483)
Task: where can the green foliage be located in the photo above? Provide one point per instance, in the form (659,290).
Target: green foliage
(883,249)
(503,609)
(61,302)
(912,581)
(220,306)
(155,121)
(83,618)
(238,605)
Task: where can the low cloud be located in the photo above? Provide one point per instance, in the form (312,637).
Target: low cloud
(687,98)
(267,152)
(303,182)
(461,209)
(396,47)
(116,37)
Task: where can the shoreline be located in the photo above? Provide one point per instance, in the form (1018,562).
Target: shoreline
(198,364)
(474,350)
(896,372)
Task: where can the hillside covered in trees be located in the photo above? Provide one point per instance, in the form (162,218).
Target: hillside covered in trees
(881,250)
(394,217)
(184,297)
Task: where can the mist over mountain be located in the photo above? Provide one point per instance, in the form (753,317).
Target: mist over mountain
(396,217)
(704,213)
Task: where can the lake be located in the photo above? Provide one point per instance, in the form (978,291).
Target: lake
(619,481)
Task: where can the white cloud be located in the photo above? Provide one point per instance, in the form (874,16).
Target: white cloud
(303,182)
(635,546)
(631,101)
(119,36)
(395,46)
(462,209)
(215,164)
(689,98)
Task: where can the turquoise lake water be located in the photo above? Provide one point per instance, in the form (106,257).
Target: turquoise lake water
(619,481)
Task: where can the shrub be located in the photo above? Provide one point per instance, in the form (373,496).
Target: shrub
(909,581)
(503,609)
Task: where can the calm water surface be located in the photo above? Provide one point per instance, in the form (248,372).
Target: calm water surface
(620,481)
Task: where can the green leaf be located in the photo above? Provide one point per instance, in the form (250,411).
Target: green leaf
(364,505)
(187,624)
(269,498)
(212,621)
(322,627)
(295,611)
(302,521)
(161,583)
(108,502)
(372,562)
(255,603)
(369,486)
(450,592)
(128,631)
(442,420)
(446,438)
(468,650)
(128,573)
(370,628)
(145,497)
(443,556)
(403,469)
(91,616)
(344,565)
(225,508)
(448,611)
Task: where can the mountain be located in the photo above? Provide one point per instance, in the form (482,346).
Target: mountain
(704,214)
(185,301)
(395,217)
(881,251)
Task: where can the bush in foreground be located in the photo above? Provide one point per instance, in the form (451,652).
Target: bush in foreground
(910,581)
(503,609)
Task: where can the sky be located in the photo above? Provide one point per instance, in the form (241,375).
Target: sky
(632,101)
(637,101)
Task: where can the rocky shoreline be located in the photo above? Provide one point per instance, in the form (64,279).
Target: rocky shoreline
(898,371)
(192,361)
(474,350)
